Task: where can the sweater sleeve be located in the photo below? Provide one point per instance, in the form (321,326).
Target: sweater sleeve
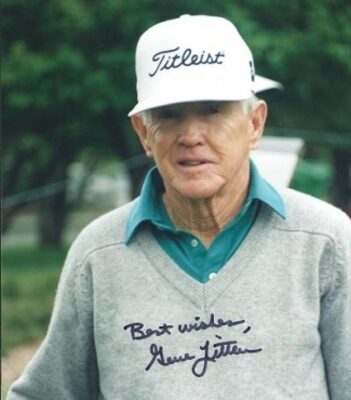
(335,322)
(65,365)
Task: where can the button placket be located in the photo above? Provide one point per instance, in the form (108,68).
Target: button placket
(194,243)
(212,275)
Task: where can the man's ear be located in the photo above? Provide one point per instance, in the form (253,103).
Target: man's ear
(258,119)
(142,132)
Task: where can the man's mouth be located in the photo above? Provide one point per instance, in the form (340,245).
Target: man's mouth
(187,163)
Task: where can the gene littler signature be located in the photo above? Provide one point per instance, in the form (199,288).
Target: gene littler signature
(210,351)
(210,354)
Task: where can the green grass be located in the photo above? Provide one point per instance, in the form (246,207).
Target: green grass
(29,280)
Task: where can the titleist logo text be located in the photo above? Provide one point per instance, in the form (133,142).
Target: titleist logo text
(173,58)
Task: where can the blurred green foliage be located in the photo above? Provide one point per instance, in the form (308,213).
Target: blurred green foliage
(29,280)
(68,79)
(313,177)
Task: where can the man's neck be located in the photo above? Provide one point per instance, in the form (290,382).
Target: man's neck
(204,218)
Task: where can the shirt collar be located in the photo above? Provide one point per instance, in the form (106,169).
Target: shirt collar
(261,190)
(149,206)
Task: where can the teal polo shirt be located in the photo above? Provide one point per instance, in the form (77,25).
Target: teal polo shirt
(188,252)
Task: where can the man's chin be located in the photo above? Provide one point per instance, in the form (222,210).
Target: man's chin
(197,190)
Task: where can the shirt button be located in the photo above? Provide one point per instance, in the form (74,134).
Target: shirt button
(194,243)
(212,275)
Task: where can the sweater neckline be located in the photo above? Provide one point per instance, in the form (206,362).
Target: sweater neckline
(204,295)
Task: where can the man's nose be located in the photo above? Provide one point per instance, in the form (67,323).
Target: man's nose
(192,131)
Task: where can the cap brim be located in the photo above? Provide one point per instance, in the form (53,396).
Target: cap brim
(261,84)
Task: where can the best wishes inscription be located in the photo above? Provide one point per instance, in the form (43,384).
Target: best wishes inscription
(208,352)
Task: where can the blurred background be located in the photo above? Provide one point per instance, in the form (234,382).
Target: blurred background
(69,153)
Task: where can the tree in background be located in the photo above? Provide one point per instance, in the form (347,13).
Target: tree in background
(306,45)
(68,82)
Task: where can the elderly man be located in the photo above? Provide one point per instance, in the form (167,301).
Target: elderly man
(212,284)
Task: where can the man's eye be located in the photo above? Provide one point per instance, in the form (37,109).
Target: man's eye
(170,114)
(211,109)
(178,112)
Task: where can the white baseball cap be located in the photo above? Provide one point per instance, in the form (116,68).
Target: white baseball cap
(194,58)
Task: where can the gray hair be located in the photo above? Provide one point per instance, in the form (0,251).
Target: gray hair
(247,106)
(146,117)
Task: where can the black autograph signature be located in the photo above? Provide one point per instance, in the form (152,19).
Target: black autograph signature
(210,354)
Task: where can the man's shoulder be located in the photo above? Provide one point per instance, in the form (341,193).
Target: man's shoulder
(103,232)
(111,223)
(307,213)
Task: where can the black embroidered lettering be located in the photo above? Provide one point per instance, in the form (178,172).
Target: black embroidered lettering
(159,58)
(217,57)
(185,57)
(194,59)
(172,59)
(175,58)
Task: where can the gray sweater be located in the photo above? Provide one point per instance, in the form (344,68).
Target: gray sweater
(274,324)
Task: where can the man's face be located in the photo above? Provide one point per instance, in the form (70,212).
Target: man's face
(202,149)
